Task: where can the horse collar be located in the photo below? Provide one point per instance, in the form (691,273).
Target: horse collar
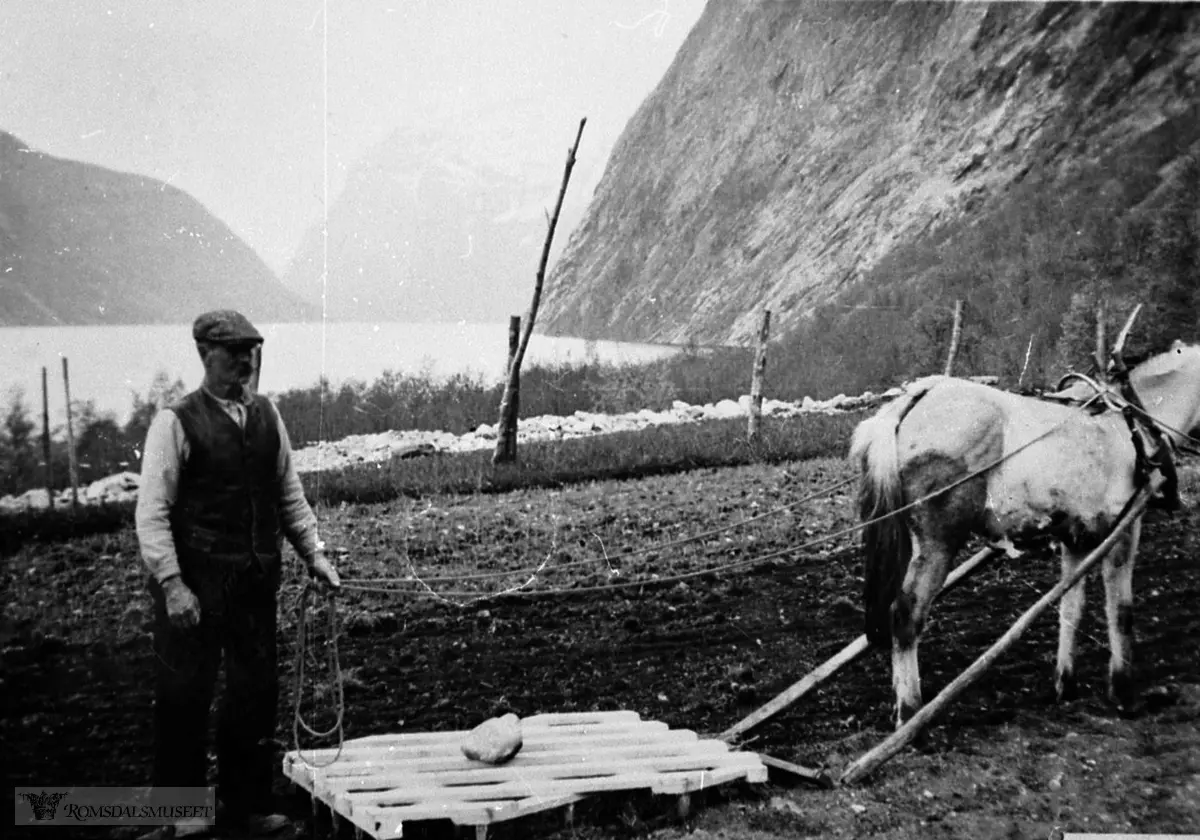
(1140,430)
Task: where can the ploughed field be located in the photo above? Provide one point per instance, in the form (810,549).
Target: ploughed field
(438,652)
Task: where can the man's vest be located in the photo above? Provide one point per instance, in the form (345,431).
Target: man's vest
(229,491)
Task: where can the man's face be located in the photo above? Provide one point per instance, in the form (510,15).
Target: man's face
(230,364)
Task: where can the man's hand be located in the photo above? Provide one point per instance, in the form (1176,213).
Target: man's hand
(183,609)
(322,570)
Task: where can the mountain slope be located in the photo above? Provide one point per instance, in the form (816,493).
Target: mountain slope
(793,147)
(436,224)
(80,244)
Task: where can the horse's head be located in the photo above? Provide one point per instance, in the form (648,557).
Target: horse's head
(1169,387)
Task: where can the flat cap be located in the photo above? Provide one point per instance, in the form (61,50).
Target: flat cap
(225,326)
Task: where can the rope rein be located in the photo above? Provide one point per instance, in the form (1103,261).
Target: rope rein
(632,553)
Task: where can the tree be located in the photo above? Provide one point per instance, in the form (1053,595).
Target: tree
(1073,351)
(18,456)
(100,448)
(162,392)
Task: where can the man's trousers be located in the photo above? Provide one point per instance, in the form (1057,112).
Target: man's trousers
(237,622)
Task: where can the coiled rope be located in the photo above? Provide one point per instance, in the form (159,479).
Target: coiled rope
(298,721)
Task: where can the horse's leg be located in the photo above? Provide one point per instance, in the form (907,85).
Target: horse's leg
(1118,602)
(939,528)
(1070,613)
(926,573)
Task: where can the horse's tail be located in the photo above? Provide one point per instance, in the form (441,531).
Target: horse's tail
(886,545)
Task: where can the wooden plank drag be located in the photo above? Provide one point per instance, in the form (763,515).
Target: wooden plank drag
(380,782)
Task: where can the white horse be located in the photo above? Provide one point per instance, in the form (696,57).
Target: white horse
(1062,472)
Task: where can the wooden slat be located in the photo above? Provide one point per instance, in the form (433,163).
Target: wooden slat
(360,786)
(389,822)
(526,788)
(532,735)
(455,760)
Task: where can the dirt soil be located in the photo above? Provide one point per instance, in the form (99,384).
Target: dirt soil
(699,654)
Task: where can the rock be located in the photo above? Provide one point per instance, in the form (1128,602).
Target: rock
(727,408)
(786,805)
(494,741)
(111,487)
(411,450)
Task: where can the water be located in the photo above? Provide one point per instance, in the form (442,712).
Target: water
(109,364)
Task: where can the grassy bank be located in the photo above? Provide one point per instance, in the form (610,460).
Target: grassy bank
(652,451)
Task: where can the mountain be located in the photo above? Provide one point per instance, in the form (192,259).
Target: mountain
(798,151)
(439,223)
(80,244)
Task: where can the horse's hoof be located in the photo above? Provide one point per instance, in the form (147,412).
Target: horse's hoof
(1122,694)
(904,713)
(1066,687)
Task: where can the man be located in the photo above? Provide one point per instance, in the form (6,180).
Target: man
(218,494)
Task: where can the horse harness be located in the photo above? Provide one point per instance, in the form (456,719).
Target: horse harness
(1153,450)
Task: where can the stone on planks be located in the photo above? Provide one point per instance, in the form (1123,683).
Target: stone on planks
(494,741)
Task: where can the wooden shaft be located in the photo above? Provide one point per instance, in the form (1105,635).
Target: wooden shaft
(816,777)
(844,657)
(955,337)
(902,736)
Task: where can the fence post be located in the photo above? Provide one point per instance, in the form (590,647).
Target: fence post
(756,381)
(506,434)
(1101,355)
(499,455)
(74,466)
(955,337)
(46,440)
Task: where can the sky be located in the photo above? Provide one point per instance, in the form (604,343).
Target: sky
(257,108)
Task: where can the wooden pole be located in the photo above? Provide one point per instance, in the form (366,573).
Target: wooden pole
(1025,365)
(506,433)
(844,657)
(1101,354)
(510,389)
(902,736)
(817,777)
(49,473)
(756,380)
(955,336)
(74,466)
